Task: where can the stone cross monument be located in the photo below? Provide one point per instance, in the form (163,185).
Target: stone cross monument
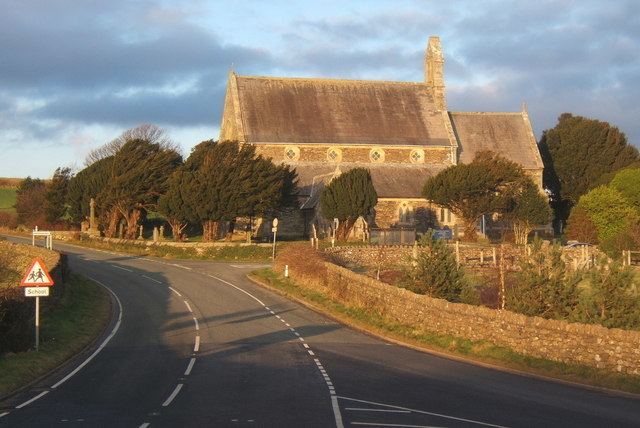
(93,224)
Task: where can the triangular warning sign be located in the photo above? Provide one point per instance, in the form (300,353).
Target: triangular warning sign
(37,275)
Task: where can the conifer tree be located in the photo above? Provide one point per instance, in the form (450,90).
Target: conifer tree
(56,195)
(347,197)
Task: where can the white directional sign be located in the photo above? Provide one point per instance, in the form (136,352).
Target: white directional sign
(36,291)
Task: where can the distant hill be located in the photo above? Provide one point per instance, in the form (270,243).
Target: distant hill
(8,188)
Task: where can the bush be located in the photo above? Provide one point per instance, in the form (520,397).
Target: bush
(305,263)
(8,220)
(435,272)
(609,211)
(544,287)
(580,227)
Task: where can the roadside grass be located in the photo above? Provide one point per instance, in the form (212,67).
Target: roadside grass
(480,351)
(78,319)
(231,252)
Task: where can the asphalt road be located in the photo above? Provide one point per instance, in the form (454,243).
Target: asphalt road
(200,345)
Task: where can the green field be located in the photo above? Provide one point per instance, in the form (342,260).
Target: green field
(7,199)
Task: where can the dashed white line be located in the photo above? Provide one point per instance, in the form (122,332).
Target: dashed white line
(188,306)
(152,279)
(103,344)
(311,352)
(144,425)
(196,347)
(121,268)
(187,372)
(296,333)
(195,321)
(287,324)
(175,291)
(172,396)
(4,414)
(305,345)
(301,339)
(26,403)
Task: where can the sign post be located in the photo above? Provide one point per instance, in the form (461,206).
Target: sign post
(37,282)
(336,223)
(274,229)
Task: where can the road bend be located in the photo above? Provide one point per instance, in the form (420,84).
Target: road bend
(195,343)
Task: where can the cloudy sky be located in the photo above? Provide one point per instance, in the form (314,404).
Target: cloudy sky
(75,74)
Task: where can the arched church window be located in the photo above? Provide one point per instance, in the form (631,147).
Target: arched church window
(376,155)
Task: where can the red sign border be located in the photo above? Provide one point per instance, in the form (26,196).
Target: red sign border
(49,282)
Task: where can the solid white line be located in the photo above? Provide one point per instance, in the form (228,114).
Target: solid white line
(144,425)
(175,291)
(103,344)
(239,289)
(364,409)
(152,279)
(187,372)
(336,412)
(120,267)
(26,403)
(195,321)
(188,306)
(4,414)
(424,413)
(196,347)
(172,396)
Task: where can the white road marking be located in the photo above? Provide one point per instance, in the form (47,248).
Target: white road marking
(239,289)
(301,339)
(3,414)
(187,372)
(175,291)
(311,352)
(152,279)
(195,321)
(272,313)
(172,396)
(26,403)
(278,316)
(365,409)
(196,347)
(121,268)
(267,308)
(144,425)
(292,329)
(305,345)
(424,412)
(283,321)
(180,266)
(103,344)
(336,412)
(287,324)
(296,333)
(188,306)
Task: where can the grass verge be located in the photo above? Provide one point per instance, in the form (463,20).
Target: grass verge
(478,351)
(232,252)
(79,318)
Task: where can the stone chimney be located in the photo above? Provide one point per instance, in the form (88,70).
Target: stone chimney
(434,71)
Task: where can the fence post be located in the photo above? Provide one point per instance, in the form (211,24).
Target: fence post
(629,257)
(481,256)
(494,257)
(458,253)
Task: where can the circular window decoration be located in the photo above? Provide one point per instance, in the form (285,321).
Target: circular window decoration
(334,154)
(417,156)
(376,155)
(291,153)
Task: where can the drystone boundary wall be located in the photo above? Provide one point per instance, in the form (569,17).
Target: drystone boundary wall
(590,345)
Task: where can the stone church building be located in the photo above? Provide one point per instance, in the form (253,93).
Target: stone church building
(402,132)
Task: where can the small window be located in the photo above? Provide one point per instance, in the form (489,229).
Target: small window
(417,156)
(442,213)
(376,155)
(334,154)
(291,153)
(449,216)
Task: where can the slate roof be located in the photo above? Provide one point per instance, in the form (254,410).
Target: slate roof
(333,111)
(389,180)
(508,134)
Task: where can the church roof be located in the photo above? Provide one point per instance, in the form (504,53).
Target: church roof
(389,180)
(507,134)
(331,111)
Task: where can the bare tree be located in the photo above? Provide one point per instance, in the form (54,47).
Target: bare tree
(146,132)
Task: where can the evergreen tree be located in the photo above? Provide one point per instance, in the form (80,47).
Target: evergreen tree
(609,211)
(435,271)
(174,204)
(56,195)
(486,185)
(347,197)
(529,208)
(578,154)
(86,184)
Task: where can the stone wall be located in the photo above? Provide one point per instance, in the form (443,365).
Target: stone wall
(590,345)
